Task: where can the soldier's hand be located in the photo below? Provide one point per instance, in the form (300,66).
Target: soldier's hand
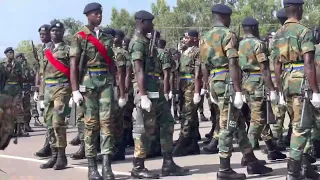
(77,97)
(238,101)
(36,96)
(273,97)
(196,98)
(146,103)
(203,92)
(177,97)
(170,95)
(281,100)
(315,100)
(122,102)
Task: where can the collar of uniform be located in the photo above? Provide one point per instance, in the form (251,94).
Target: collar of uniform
(86,30)
(144,38)
(249,36)
(292,20)
(218,24)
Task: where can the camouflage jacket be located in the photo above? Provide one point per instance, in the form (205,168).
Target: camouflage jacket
(218,46)
(121,58)
(188,62)
(13,71)
(164,58)
(252,52)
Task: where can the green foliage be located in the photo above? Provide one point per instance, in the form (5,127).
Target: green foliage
(122,20)
(25,47)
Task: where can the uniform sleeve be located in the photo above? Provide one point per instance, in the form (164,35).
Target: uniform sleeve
(120,60)
(196,57)
(231,44)
(128,60)
(137,52)
(261,52)
(307,41)
(166,61)
(75,47)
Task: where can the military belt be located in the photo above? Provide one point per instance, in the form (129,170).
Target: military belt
(219,71)
(52,82)
(154,76)
(186,77)
(294,66)
(97,71)
(12,83)
(254,73)
(273,75)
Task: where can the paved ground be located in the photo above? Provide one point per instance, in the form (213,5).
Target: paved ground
(18,163)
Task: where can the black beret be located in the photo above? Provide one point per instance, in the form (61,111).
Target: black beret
(56,24)
(143,15)
(249,21)
(119,33)
(193,33)
(287,3)
(281,14)
(221,9)
(109,31)
(8,49)
(44,27)
(92,7)
(19,55)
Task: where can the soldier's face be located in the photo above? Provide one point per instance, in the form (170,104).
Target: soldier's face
(56,34)
(117,40)
(10,54)
(191,41)
(44,36)
(148,25)
(176,57)
(95,17)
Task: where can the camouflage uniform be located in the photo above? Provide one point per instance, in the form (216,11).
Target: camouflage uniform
(301,42)
(29,81)
(34,110)
(98,98)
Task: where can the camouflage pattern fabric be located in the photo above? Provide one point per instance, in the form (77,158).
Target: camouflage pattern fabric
(252,52)
(217,47)
(7,113)
(98,98)
(189,61)
(56,96)
(80,122)
(301,42)
(28,82)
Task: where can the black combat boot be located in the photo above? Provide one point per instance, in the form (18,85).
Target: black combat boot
(226,173)
(308,171)
(169,168)
(93,173)
(193,148)
(75,141)
(212,147)
(80,154)
(254,166)
(62,161)
(140,172)
(52,161)
(45,151)
(107,173)
(273,153)
(316,146)
(294,168)
(27,127)
(244,162)
(23,132)
(181,145)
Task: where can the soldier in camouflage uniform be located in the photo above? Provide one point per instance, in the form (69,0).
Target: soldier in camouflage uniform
(96,88)
(80,154)
(296,61)
(219,55)
(279,110)
(56,95)
(14,78)
(45,38)
(174,85)
(315,136)
(189,71)
(255,64)
(146,91)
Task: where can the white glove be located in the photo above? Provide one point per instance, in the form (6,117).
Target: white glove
(215,101)
(196,98)
(273,97)
(281,100)
(176,97)
(203,92)
(146,103)
(170,95)
(70,102)
(315,100)
(36,96)
(244,99)
(166,96)
(238,101)
(41,103)
(122,102)
(77,97)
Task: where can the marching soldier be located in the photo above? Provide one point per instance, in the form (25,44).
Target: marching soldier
(92,85)
(220,57)
(174,85)
(297,59)
(45,38)
(56,95)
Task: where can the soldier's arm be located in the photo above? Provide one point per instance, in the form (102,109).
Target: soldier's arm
(128,78)
(262,57)
(197,73)
(204,55)
(121,72)
(166,69)
(138,59)
(75,53)
(308,49)
(232,54)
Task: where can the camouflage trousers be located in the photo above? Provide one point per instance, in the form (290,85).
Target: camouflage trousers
(56,109)
(189,114)
(27,107)
(98,107)
(118,116)
(200,106)
(80,122)
(34,110)
(215,118)
(15,92)
(280,112)
(128,110)
(258,122)
(315,132)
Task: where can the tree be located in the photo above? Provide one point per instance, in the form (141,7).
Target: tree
(25,47)
(122,20)
(72,26)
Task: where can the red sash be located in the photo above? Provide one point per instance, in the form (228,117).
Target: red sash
(57,64)
(100,47)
